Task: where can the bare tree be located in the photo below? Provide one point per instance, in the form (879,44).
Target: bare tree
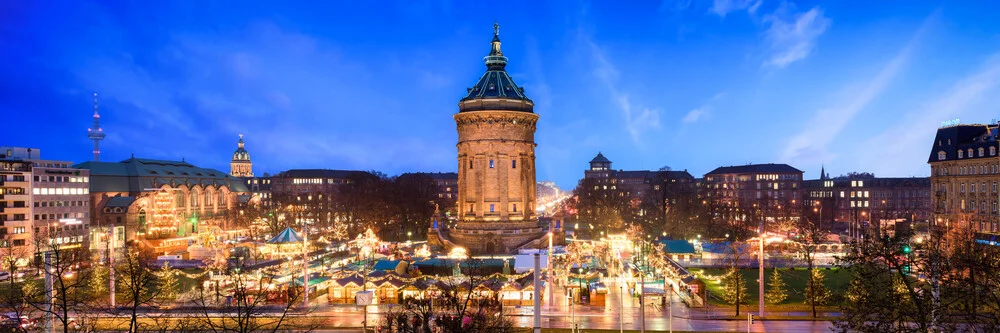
(16,294)
(137,285)
(243,305)
(70,302)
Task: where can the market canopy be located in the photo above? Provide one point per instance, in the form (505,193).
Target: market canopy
(286,236)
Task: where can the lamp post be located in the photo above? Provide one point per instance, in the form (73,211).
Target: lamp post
(548,263)
(305,264)
(760,270)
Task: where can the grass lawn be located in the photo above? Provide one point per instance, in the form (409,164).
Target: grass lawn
(795,283)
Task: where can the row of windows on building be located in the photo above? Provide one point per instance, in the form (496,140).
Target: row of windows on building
(472,208)
(60,203)
(972,187)
(971,207)
(314,181)
(12,178)
(513,164)
(768,185)
(58,216)
(261,181)
(181,202)
(12,190)
(50,165)
(60,191)
(60,179)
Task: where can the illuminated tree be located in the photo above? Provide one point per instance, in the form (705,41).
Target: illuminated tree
(776,292)
(735,291)
(169,285)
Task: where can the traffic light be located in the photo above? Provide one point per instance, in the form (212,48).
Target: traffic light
(907,249)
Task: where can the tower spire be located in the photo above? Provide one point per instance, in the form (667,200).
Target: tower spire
(96,133)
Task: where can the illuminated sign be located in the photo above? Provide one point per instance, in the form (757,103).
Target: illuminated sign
(952,122)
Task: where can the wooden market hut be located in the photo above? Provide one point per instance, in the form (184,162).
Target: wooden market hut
(511,293)
(388,290)
(342,290)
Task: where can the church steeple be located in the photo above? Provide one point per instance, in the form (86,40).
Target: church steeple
(822,172)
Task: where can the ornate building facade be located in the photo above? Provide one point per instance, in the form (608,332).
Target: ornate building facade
(164,204)
(965,170)
(496,163)
(241,166)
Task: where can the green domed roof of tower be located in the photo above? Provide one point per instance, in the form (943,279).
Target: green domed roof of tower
(496,83)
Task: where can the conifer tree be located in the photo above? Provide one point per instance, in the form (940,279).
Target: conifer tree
(735,288)
(776,292)
(816,291)
(98,282)
(169,285)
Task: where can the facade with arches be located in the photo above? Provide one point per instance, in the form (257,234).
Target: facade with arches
(154,201)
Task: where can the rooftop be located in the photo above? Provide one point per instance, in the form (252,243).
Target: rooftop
(755,168)
(496,83)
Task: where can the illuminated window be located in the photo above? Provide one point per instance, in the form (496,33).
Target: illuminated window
(491,164)
(960,153)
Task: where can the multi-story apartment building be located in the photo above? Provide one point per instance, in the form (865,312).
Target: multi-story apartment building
(772,189)
(310,190)
(965,170)
(836,202)
(44,203)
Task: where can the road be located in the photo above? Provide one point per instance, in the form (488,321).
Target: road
(591,317)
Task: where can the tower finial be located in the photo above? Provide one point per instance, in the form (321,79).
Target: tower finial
(496,28)
(95,104)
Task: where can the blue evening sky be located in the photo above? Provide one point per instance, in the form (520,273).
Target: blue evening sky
(372,85)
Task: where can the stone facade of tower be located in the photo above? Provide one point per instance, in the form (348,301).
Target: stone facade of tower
(496,164)
(241,166)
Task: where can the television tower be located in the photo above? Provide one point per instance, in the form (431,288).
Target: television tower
(96,133)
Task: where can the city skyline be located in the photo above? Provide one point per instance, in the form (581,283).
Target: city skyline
(808,85)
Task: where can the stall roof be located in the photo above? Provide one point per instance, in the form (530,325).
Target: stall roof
(677,246)
(526,262)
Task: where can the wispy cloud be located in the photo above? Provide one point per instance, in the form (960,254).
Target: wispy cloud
(908,147)
(637,118)
(809,146)
(792,36)
(701,112)
(693,115)
(723,7)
